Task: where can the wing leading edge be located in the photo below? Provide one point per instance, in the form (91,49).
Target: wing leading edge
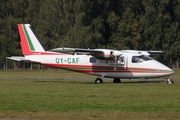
(95,52)
(77,50)
(99,53)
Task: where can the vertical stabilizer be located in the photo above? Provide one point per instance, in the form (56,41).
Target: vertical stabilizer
(29,41)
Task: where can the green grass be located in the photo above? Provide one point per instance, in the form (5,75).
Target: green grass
(176,75)
(47,95)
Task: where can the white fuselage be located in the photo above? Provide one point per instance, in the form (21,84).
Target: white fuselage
(107,68)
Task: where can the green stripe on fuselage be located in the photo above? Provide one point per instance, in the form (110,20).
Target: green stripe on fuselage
(28,38)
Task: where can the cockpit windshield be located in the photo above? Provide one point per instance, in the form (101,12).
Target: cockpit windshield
(139,59)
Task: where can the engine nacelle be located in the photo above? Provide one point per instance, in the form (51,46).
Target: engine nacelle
(108,54)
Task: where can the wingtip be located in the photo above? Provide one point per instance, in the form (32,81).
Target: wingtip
(155,52)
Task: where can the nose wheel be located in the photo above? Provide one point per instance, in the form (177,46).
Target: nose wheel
(170,81)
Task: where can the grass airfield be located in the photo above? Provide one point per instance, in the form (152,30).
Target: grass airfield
(54,95)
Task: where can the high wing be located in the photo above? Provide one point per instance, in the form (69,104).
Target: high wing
(155,52)
(99,53)
(105,53)
(150,52)
(77,50)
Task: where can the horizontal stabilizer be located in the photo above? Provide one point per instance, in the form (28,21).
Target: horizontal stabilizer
(18,58)
(21,58)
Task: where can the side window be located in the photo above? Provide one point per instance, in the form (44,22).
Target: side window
(120,59)
(92,60)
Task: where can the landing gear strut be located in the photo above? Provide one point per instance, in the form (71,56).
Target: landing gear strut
(98,80)
(169,81)
(117,80)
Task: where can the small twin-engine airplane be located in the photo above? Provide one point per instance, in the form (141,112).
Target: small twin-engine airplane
(108,63)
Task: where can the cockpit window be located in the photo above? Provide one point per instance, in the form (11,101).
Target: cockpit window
(139,59)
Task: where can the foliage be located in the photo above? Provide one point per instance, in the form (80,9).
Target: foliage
(117,24)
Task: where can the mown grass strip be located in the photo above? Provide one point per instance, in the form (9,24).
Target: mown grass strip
(23,97)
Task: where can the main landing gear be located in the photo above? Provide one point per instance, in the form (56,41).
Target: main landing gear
(116,80)
(169,81)
(99,80)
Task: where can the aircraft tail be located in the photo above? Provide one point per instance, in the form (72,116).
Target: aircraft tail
(29,41)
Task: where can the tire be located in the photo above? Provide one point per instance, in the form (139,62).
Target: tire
(172,81)
(98,81)
(117,80)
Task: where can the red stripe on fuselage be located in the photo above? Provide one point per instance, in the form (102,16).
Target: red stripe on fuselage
(92,68)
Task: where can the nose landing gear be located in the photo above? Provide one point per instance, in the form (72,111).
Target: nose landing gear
(170,81)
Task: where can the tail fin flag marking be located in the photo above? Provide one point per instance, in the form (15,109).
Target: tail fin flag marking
(29,41)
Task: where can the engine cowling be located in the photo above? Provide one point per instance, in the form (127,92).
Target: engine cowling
(108,54)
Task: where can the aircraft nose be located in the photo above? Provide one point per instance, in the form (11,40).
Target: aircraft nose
(172,71)
(163,68)
(168,70)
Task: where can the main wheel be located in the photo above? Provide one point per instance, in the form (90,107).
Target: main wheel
(98,80)
(117,80)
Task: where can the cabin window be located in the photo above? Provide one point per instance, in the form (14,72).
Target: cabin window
(120,59)
(139,59)
(92,60)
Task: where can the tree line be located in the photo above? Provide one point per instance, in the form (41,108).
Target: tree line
(111,24)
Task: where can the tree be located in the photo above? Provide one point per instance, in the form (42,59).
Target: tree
(11,13)
(127,34)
